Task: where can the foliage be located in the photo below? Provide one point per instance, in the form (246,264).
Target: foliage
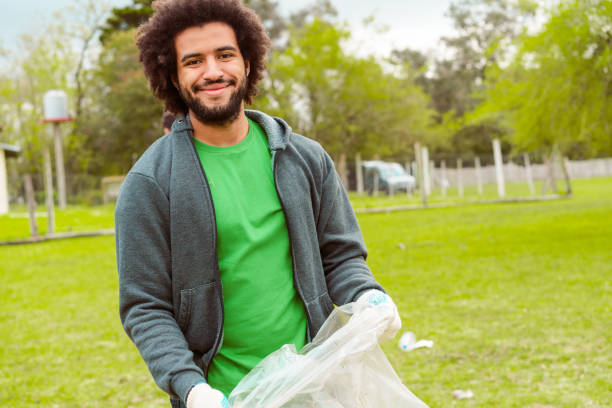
(54,59)
(347,103)
(133,15)
(485,29)
(275,24)
(549,88)
(318,10)
(558,89)
(123,117)
(43,63)
(454,82)
(126,18)
(500,290)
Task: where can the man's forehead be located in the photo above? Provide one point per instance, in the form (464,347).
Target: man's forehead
(209,35)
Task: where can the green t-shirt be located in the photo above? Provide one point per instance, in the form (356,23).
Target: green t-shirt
(262,308)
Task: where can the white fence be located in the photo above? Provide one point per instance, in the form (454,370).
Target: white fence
(514,173)
(590,168)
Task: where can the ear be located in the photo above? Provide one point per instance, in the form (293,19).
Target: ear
(247,67)
(174,81)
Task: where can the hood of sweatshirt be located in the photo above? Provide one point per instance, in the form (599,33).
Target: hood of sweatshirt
(277,130)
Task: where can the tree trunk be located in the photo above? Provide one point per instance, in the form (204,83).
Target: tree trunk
(566,176)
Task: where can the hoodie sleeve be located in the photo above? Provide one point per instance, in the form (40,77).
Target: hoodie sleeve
(340,241)
(145,287)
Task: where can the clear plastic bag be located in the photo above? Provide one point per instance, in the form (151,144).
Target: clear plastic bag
(343,367)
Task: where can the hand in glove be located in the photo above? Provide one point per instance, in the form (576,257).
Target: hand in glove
(203,395)
(381,300)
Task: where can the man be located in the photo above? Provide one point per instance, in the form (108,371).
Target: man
(167,120)
(234,235)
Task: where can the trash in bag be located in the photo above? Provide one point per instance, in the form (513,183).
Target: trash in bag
(343,367)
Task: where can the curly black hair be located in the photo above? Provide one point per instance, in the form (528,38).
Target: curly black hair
(155,41)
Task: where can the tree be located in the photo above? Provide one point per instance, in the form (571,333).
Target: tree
(126,18)
(275,24)
(131,16)
(123,117)
(322,10)
(485,30)
(455,83)
(557,91)
(43,63)
(416,60)
(86,22)
(347,103)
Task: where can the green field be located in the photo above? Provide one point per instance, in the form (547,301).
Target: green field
(516,297)
(16,225)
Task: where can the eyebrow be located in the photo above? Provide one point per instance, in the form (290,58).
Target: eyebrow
(199,54)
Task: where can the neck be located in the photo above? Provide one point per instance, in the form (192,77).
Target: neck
(227,134)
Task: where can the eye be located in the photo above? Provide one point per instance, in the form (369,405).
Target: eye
(192,62)
(226,55)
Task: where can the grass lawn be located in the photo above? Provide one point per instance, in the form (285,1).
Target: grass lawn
(16,224)
(516,297)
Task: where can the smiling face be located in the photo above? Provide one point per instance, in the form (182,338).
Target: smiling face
(211,73)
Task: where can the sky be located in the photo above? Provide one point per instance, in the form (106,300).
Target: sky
(415,24)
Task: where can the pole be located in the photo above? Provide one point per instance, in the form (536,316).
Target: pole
(425,167)
(432,174)
(4,199)
(29,192)
(499,170)
(59,166)
(408,169)
(443,179)
(460,177)
(49,191)
(421,179)
(359,174)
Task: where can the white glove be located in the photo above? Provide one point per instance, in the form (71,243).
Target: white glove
(203,395)
(379,299)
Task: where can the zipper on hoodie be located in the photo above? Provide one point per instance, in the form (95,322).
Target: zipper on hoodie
(295,280)
(218,274)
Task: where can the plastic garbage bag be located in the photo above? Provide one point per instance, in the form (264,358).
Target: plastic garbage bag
(343,367)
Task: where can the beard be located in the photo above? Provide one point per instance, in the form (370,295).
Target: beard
(220,115)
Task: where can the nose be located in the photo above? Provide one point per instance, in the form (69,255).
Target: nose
(212,70)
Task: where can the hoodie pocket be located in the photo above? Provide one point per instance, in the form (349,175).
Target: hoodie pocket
(200,315)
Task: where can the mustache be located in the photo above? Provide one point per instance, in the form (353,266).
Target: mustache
(199,87)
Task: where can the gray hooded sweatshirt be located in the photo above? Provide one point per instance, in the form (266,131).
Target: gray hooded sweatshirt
(170,295)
